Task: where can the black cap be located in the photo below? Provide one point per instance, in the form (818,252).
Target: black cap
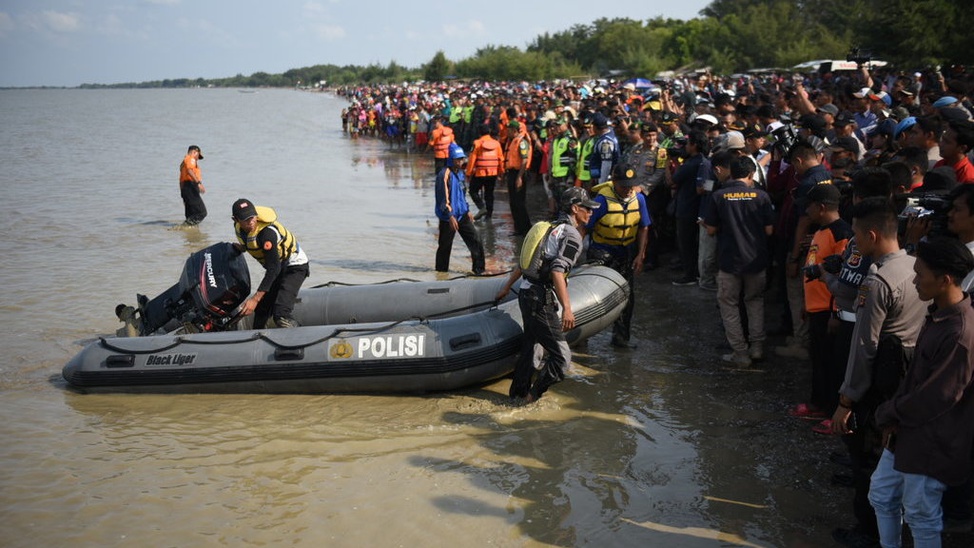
(624,175)
(243,209)
(196,148)
(843,119)
(846,143)
(577,195)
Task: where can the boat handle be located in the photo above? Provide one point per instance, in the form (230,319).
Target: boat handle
(463,341)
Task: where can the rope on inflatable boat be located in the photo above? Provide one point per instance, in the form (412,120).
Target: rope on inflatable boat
(261,335)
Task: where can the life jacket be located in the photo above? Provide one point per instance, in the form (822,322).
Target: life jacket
(441,145)
(585,159)
(532,262)
(518,146)
(185,169)
(488,160)
(267,217)
(563,151)
(620,224)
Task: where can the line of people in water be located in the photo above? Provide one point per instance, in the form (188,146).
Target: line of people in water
(849,195)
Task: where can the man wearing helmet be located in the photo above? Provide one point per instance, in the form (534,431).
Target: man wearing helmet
(549,252)
(454,213)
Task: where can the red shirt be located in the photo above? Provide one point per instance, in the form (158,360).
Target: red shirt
(963,169)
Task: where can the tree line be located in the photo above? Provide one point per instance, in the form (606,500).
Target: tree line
(729,36)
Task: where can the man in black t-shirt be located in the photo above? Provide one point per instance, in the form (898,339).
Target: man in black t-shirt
(742,217)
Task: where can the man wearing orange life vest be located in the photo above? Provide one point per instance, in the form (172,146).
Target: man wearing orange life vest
(484,168)
(517,159)
(191,186)
(440,139)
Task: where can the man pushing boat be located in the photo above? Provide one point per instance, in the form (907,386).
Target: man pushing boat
(277,250)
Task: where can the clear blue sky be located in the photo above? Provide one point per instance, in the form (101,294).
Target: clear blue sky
(71,42)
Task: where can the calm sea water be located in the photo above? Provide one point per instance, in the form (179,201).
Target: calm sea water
(644,448)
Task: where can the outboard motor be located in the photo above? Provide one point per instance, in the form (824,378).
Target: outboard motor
(214,282)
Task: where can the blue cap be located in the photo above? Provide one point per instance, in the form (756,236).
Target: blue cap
(944,101)
(456,152)
(904,125)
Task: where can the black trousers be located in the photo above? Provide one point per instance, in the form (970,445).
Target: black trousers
(622,264)
(193,204)
(482,192)
(821,352)
(469,235)
(519,203)
(542,326)
(280,298)
(687,241)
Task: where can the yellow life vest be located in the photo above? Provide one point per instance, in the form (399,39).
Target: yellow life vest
(286,243)
(531,260)
(620,224)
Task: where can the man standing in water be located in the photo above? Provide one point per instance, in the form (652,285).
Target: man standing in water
(191,186)
(277,250)
(454,213)
(549,252)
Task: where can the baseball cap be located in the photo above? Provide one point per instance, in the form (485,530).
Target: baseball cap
(828,108)
(196,148)
(599,120)
(243,209)
(846,143)
(577,195)
(624,174)
(881,96)
(824,193)
(667,117)
(753,132)
(732,140)
(843,119)
(863,93)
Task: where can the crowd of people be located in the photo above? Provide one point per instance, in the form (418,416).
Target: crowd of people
(849,194)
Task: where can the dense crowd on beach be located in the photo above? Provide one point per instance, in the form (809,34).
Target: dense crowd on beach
(847,196)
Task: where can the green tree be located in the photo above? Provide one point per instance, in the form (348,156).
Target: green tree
(438,68)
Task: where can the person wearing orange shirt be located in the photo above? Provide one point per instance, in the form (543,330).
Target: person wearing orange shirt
(484,168)
(827,245)
(191,186)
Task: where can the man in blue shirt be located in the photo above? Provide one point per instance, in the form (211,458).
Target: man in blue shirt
(454,213)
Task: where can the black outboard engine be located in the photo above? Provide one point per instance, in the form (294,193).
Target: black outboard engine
(214,282)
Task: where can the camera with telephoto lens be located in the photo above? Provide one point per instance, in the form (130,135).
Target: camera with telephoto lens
(932,206)
(784,138)
(858,56)
(678,149)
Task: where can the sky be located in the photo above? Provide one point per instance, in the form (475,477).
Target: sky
(73,42)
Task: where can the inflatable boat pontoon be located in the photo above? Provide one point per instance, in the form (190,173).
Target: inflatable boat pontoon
(393,337)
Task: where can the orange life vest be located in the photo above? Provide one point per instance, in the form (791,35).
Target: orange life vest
(442,137)
(486,157)
(188,169)
(518,152)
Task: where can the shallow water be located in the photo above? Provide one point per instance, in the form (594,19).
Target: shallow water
(660,445)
